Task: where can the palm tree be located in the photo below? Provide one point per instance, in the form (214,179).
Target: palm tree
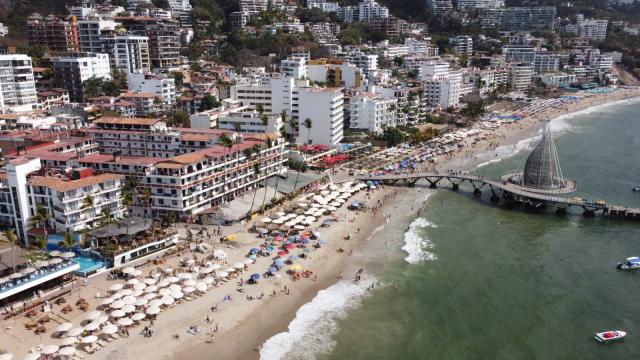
(41,244)
(256,171)
(89,203)
(283,133)
(127,201)
(238,129)
(145,198)
(106,216)
(225,141)
(268,146)
(307,124)
(260,108)
(67,241)
(41,218)
(11,238)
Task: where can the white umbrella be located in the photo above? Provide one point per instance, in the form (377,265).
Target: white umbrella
(173,279)
(141,302)
(110,329)
(127,292)
(185,276)
(67,351)
(164,291)
(129,309)
(49,349)
(177,295)
(164,283)
(107,301)
(6,356)
(117,314)
(137,293)
(155,303)
(101,319)
(89,339)
(55,253)
(125,322)
(75,331)
(64,327)
(93,315)
(139,286)
(151,288)
(230,270)
(222,274)
(265,220)
(189,282)
(69,341)
(206,270)
(216,266)
(188,289)
(150,296)
(32,356)
(117,304)
(136,273)
(238,265)
(167,300)
(67,255)
(153,310)
(129,299)
(248,261)
(117,295)
(201,286)
(128,270)
(175,287)
(116,287)
(92,326)
(55,261)
(149,281)
(137,316)
(133,281)
(208,280)
(40,264)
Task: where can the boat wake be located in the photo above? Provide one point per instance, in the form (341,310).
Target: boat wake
(416,245)
(316,322)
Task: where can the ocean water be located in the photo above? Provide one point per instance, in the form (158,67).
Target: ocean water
(473,280)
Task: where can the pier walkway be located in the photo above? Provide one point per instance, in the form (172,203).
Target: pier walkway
(517,194)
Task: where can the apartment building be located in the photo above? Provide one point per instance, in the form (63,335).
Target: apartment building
(56,34)
(366,62)
(348,14)
(440,6)
(163,35)
(594,29)
(239,19)
(370,9)
(163,87)
(462,44)
(391,25)
(294,67)
(143,103)
(17,85)
(335,73)
(250,121)
(90,32)
(324,106)
(411,104)
(544,62)
(253,6)
(129,53)
(558,79)
(536,18)
(480,4)
(324,5)
(372,112)
(441,84)
(28,185)
(520,76)
(70,71)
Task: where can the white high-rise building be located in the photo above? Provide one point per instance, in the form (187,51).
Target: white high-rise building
(324,106)
(480,4)
(4,30)
(90,33)
(370,9)
(17,86)
(253,6)
(180,5)
(440,6)
(325,6)
(294,67)
(520,76)
(595,29)
(417,47)
(72,70)
(441,85)
(163,87)
(462,44)
(129,53)
(372,112)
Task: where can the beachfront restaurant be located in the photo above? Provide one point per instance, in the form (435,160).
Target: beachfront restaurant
(131,239)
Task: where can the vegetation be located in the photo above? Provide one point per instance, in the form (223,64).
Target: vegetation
(209,102)
(393,136)
(10,237)
(179,118)
(474,109)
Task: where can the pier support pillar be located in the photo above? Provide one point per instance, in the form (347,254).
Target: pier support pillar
(561,211)
(495,198)
(455,186)
(433,185)
(477,192)
(589,213)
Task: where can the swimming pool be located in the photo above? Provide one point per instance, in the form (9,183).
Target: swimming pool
(88,265)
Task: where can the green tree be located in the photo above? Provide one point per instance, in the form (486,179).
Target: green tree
(41,218)
(225,141)
(178,117)
(308,124)
(145,198)
(208,102)
(67,241)
(89,203)
(268,146)
(393,136)
(11,238)
(41,244)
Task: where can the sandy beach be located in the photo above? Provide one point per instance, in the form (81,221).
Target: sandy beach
(245,324)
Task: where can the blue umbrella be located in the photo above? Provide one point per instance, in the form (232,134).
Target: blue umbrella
(279,262)
(252,256)
(272,270)
(306,251)
(253,251)
(293,257)
(287,242)
(254,277)
(306,241)
(269,248)
(321,242)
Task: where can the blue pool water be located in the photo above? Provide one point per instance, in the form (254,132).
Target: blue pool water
(88,265)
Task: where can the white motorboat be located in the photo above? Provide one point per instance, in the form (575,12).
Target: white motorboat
(630,263)
(611,336)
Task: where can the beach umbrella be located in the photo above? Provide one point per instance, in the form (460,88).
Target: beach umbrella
(132,281)
(219,254)
(41,264)
(32,356)
(149,281)
(265,220)
(188,289)
(139,286)
(238,265)
(272,270)
(107,301)
(92,326)
(149,296)
(69,341)
(129,299)
(282,253)
(248,261)
(206,270)
(289,246)
(200,286)
(89,339)
(67,351)
(230,270)
(67,255)
(153,310)
(128,270)
(254,277)
(110,329)
(28,270)
(216,266)
(130,308)
(93,315)
(164,283)
(299,227)
(295,267)
(293,257)
(167,300)
(155,303)
(209,280)
(55,261)
(101,319)
(173,279)
(185,276)
(117,314)
(136,273)
(64,327)
(125,322)
(75,332)
(177,295)
(151,288)
(141,302)
(55,253)
(164,291)
(222,274)
(278,262)
(189,282)
(117,295)
(137,316)
(127,292)
(49,349)
(175,287)
(117,304)
(137,293)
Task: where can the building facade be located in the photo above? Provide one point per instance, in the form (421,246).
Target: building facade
(17,85)
(72,70)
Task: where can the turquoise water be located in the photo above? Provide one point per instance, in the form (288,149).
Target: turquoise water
(88,265)
(508,284)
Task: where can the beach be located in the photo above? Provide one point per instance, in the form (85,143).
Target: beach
(245,325)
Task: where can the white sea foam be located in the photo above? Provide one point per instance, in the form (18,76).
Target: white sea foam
(315,324)
(416,245)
